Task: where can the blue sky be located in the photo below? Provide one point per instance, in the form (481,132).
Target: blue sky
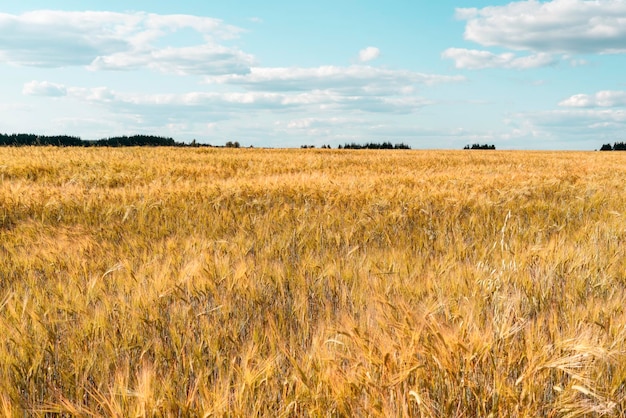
(520,75)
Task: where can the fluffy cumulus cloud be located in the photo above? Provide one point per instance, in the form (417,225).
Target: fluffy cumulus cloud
(549,30)
(119,41)
(369,54)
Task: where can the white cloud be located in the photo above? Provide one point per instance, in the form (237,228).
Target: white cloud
(333,114)
(315,123)
(361,79)
(199,60)
(369,54)
(578,120)
(228,103)
(475,59)
(557,26)
(577,100)
(578,128)
(118,41)
(44,88)
(606,98)
(583,121)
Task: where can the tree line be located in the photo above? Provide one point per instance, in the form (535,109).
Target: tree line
(374,145)
(73,141)
(159,141)
(369,145)
(479,146)
(617,146)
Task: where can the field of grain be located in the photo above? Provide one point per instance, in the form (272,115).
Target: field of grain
(247,282)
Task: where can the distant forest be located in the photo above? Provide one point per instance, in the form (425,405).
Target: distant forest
(479,146)
(373,145)
(618,146)
(118,141)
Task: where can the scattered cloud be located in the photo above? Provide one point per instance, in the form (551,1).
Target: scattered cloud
(578,62)
(315,123)
(364,79)
(119,41)
(579,120)
(369,54)
(554,27)
(197,60)
(331,103)
(581,128)
(472,59)
(606,98)
(228,103)
(44,88)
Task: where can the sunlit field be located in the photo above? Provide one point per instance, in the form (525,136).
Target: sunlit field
(292,283)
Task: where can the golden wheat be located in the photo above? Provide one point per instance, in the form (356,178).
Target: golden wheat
(218,282)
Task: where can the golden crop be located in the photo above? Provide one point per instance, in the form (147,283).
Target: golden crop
(237,282)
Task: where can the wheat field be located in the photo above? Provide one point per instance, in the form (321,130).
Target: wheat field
(149,282)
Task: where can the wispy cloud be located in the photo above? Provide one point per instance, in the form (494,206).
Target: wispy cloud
(44,88)
(196,60)
(472,59)
(231,103)
(578,118)
(366,79)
